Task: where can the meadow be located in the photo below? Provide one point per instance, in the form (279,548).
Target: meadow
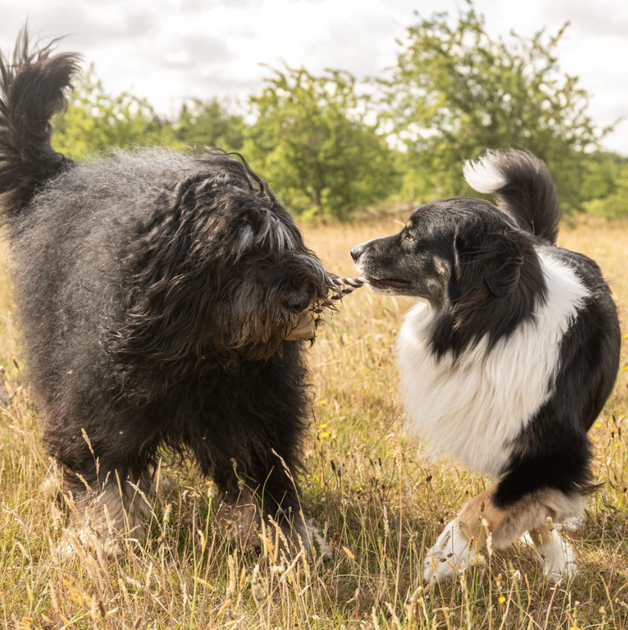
(366,483)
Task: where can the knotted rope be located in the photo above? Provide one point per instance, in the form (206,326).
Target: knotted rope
(349,285)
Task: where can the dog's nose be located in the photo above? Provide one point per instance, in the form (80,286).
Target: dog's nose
(357,251)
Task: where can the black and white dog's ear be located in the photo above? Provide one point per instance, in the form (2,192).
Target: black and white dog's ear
(490,260)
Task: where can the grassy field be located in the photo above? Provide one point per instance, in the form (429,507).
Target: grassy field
(366,483)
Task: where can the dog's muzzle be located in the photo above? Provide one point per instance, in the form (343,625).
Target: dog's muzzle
(305,328)
(306,325)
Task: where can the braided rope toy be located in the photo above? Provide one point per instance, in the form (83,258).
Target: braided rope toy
(306,326)
(349,284)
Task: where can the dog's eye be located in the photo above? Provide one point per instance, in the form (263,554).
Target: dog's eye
(299,301)
(407,236)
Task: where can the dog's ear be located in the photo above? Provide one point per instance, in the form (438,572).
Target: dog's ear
(488,260)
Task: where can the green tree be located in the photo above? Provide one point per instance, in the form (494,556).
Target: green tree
(605,185)
(95,120)
(312,142)
(209,123)
(456,91)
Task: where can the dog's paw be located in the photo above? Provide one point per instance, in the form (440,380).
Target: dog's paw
(572,524)
(314,540)
(449,554)
(77,541)
(241,521)
(297,535)
(557,559)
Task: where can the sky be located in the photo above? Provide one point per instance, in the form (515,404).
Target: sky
(170,50)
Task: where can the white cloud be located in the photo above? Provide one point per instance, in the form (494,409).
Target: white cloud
(167,50)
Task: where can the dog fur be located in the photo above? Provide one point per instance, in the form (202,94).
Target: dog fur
(156,292)
(508,356)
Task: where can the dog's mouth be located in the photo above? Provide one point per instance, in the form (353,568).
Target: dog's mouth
(304,329)
(388,283)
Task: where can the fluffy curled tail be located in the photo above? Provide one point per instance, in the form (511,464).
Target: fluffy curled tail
(523,186)
(31,92)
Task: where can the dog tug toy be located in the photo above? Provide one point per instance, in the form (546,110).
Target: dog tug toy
(306,326)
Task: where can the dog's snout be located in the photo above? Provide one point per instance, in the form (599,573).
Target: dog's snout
(357,251)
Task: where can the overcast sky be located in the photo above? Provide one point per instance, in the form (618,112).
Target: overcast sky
(167,50)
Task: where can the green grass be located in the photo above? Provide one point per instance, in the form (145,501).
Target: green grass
(380,503)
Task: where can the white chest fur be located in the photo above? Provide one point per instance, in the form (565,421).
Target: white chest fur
(473,408)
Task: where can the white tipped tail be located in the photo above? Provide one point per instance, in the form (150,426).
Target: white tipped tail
(523,187)
(484,174)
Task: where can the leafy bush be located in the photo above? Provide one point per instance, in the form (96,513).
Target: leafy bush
(311,140)
(210,124)
(606,186)
(329,145)
(456,91)
(95,120)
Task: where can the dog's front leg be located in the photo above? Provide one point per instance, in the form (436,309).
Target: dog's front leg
(555,555)
(481,522)
(451,552)
(459,542)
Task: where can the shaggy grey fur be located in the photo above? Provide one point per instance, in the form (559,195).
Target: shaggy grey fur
(156,291)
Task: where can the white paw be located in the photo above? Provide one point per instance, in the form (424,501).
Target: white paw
(572,524)
(314,540)
(557,559)
(449,554)
(76,540)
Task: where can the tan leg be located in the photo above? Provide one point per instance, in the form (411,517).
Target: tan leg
(460,541)
(480,520)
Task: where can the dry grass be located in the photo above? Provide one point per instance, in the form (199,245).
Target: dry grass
(366,483)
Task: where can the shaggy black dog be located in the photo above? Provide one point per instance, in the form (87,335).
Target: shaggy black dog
(158,294)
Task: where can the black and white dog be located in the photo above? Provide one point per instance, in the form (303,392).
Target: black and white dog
(160,296)
(508,356)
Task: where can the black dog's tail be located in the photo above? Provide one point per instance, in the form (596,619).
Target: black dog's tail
(523,186)
(31,92)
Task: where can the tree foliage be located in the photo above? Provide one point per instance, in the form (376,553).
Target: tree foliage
(210,124)
(329,145)
(94,120)
(605,185)
(311,140)
(456,91)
